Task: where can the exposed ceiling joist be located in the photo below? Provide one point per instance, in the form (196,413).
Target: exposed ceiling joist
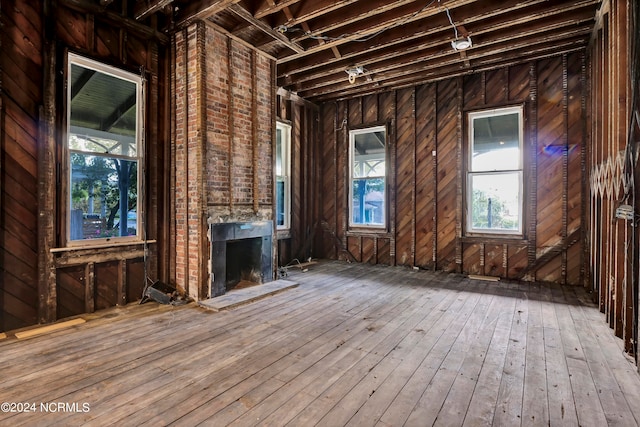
(396,42)
(201,9)
(145,8)
(241,12)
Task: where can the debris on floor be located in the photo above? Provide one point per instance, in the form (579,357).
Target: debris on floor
(163,294)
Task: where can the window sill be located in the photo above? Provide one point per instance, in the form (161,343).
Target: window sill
(369,232)
(121,251)
(283,234)
(105,245)
(495,239)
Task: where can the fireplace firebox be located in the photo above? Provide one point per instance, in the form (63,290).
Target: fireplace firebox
(240,251)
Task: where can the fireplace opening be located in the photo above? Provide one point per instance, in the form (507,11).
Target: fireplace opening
(244,259)
(241,253)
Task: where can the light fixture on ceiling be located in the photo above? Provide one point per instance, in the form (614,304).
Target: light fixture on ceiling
(459,43)
(354,72)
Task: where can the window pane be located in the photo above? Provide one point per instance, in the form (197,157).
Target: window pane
(368,201)
(103,112)
(103,197)
(91,141)
(280,210)
(279,156)
(369,155)
(283,169)
(495,201)
(496,143)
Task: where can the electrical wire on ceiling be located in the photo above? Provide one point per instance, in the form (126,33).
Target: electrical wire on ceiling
(361,37)
(457,43)
(455,29)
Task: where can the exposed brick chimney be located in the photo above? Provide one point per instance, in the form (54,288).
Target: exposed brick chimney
(224,124)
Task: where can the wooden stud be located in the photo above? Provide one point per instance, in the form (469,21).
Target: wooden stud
(254,132)
(565,161)
(414,163)
(89,287)
(533,161)
(90,31)
(47,189)
(459,173)
(122,282)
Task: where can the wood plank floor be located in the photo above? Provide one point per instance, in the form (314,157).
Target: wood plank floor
(353,345)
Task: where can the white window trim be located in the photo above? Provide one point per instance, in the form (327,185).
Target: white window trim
(469,196)
(352,135)
(74,59)
(286,154)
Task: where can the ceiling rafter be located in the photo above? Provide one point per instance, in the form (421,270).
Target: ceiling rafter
(345,18)
(518,14)
(272,7)
(393,79)
(431,48)
(368,30)
(244,14)
(421,30)
(315,41)
(308,10)
(201,9)
(146,8)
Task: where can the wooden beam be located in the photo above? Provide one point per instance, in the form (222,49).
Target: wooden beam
(82,81)
(432,60)
(116,19)
(244,14)
(119,112)
(200,10)
(47,182)
(364,28)
(145,8)
(409,79)
(273,8)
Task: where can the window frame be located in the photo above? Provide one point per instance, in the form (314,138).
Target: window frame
(352,134)
(138,81)
(285,129)
(484,113)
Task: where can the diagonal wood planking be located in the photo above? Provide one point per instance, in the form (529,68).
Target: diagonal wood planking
(405,178)
(425,175)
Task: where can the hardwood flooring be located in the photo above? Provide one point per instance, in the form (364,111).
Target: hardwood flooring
(353,345)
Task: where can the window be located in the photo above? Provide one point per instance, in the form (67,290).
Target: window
(367,176)
(283,172)
(494,177)
(103,151)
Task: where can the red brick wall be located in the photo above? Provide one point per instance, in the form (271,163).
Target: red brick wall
(223,137)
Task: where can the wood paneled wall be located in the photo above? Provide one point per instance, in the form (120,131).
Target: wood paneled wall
(37,272)
(614,175)
(427,139)
(297,243)
(21,74)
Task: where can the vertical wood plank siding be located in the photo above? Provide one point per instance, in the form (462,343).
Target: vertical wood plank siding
(613,250)
(306,184)
(427,149)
